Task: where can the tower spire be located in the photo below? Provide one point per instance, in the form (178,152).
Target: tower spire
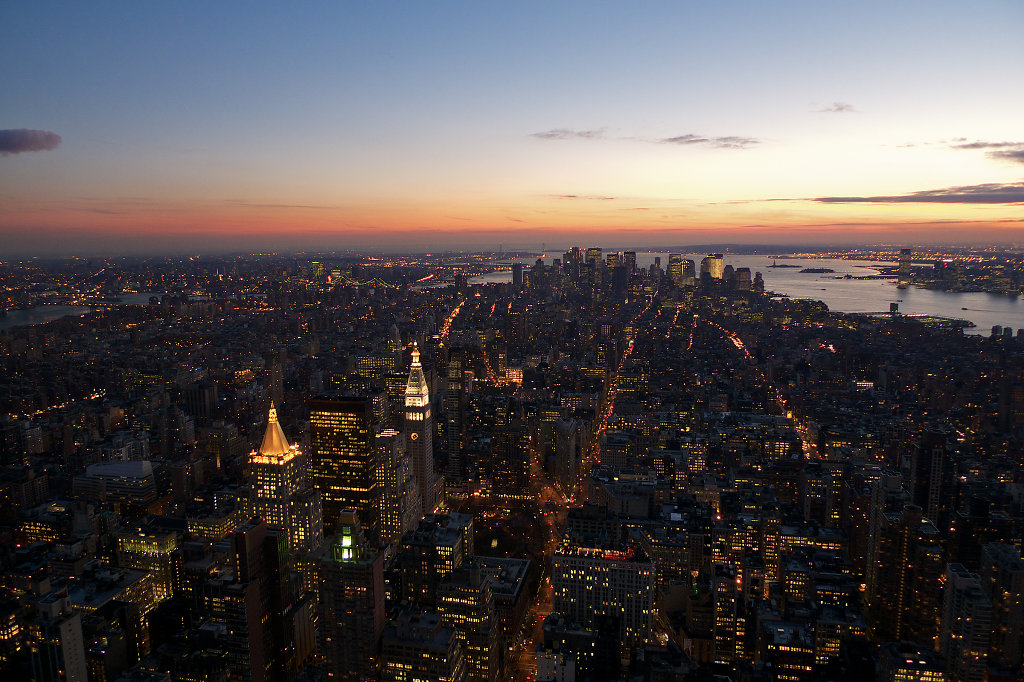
(274,441)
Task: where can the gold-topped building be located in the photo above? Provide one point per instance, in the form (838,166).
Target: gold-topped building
(278,491)
(419,434)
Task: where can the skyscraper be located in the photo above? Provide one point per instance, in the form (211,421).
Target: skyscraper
(903,590)
(343,459)
(904,270)
(966,622)
(279,494)
(454,405)
(401,507)
(351,604)
(419,433)
(1002,578)
(592,582)
(712,265)
(675,268)
(467,604)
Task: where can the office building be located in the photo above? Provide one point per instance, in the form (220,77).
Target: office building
(966,623)
(419,646)
(278,491)
(591,582)
(343,460)
(429,553)
(466,603)
(712,265)
(1002,579)
(419,433)
(401,507)
(352,615)
(906,662)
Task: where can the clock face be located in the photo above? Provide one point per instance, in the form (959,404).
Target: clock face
(414,436)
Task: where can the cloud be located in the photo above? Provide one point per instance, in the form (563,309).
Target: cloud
(1015,155)
(1001,151)
(567,134)
(589,197)
(962,143)
(21,140)
(990,193)
(723,142)
(837,108)
(252,204)
(726,142)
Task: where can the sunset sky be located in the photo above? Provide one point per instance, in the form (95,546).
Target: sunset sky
(213,126)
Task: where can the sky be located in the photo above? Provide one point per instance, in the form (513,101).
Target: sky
(187,127)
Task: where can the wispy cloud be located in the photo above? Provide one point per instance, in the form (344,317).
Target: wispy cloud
(20,140)
(1002,151)
(837,108)
(589,197)
(725,142)
(569,134)
(689,139)
(253,204)
(979,144)
(989,193)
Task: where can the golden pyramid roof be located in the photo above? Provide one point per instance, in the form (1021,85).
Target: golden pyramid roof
(274,442)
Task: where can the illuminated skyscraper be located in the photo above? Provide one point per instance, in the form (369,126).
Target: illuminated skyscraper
(343,460)
(419,434)
(279,494)
(591,582)
(467,604)
(904,271)
(675,268)
(401,507)
(712,265)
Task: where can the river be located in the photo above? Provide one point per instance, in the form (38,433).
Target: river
(853,295)
(39,315)
(48,313)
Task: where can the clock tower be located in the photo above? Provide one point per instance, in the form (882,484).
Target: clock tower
(419,433)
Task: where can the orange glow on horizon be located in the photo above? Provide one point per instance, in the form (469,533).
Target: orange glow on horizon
(543,219)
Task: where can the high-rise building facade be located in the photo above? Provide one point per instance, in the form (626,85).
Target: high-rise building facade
(401,507)
(675,268)
(966,623)
(278,491)
(466,603)
(454,407)
(419,646)
(590,582)
(343,459)
(419,434)
(351,604)
(712,265)
(1002,579)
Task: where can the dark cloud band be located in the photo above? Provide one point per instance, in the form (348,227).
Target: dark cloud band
(990,193)
(21,140)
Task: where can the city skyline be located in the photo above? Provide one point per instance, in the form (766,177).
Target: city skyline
(190,128)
